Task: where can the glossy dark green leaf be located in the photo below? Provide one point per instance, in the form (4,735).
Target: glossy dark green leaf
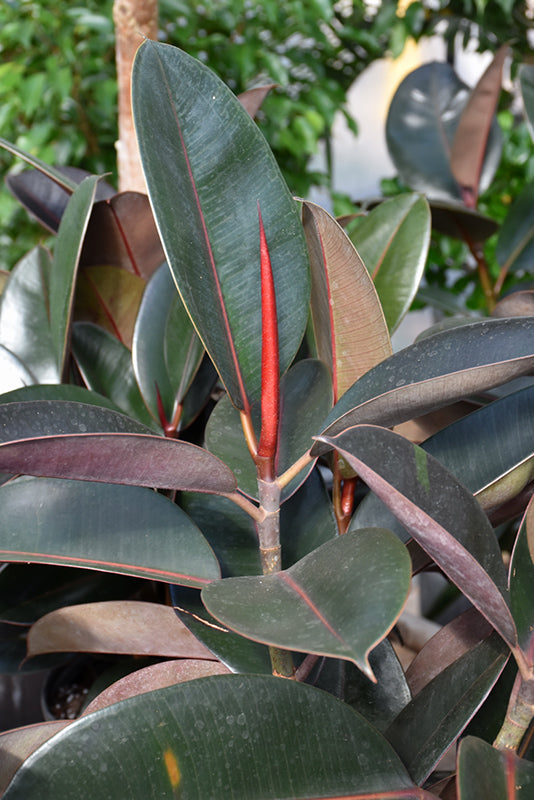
(123,529)
(436,372)
(229,530)
(62,392)
(305,397)
(237,653)
(454,219)
(207,171)
(122,233)
(422,120)
(515,245)
(109,297)
(307,520)
(522,579)
(433,720)
(485,772)
(28,591)
(471,137)
(62,443)
(70,236)
(222,736)
(378,702)
(106,367)
(393,242)
(166,351)
(44,198)
(24,318)
(340,600)
(526,82)
(349,327)
(489,451)
(441,515)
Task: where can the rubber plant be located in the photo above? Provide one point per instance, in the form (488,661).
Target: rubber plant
(285,529)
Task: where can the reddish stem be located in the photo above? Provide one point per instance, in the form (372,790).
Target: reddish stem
(270,365)
(170,429)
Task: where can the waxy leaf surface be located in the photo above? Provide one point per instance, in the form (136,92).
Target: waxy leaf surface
(115,626)
(515,244)
(442,516)
(485,772)
(393,242)
(203,739)
(435,372)
(125,529)
(350,331)
(522,580)
(207,171)
(340,600)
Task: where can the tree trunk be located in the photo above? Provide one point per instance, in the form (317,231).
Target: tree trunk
(134,19)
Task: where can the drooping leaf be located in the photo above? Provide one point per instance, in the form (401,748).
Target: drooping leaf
(436,371)
(155,676)
(125,529)
(24,318)
(227,735)
(109,297)
(454,219)
(349,326)
(44,198)
(490,452)
(70,237)
(166,351)
(428,725)
(485,772)
(441,515)
(122,233)
(61,443)
(393,242)
(340,600)
(106,367)
(210,228)
(115,626)
(515,244)
(305,397)
(422,120)
(471,137)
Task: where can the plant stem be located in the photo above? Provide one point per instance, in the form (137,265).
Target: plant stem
(294,470)
(518,716)
(271,560)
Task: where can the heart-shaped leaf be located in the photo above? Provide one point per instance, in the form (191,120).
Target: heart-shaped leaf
(226,735)
(434,372)
(210,228)
(115,626)
(340,600)
(350,331)
(123,529)
(441,515)
(393,242)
